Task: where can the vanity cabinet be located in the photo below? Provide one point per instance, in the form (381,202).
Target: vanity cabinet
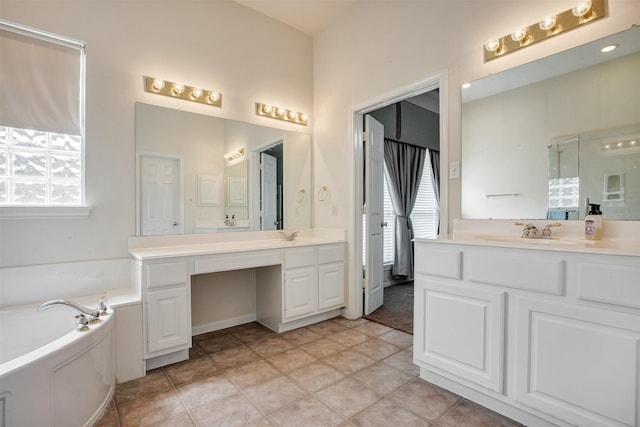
(546,337)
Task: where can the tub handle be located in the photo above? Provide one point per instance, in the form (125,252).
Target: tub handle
(82,323)
(103,306)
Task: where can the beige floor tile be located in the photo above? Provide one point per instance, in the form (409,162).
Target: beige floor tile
(219,343)
(261,422)
(468,414)
(424,399)
(235,410)
(350,323)
(206,390)
(403,361)
(191,370)
(274,394)
(323,347)
(398,338)
(155,381)
(109,419)
(306,412)
(195,351)
(348,361)
(234,357)
(348,397)
(385,413)
(291,359)
(300,336)
(376,349)
(251,374)
(349,337)
(270,346)
(182,420)
(150,410)
(254,333)
(382,379)
(316,376)
(374,329)
(328,327)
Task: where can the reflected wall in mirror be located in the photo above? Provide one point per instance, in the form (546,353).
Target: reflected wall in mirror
(184,184)
(510,119)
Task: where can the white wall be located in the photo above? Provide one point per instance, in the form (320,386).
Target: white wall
(218,45)
(382,46)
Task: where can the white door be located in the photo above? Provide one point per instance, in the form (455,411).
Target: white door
(374,213)
(160,211)
(268,191)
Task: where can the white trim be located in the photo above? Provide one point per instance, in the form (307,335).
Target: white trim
(439,80)
(40,34)
(44,212)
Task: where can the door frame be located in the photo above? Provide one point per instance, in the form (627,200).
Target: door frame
(180,159)
(439,81)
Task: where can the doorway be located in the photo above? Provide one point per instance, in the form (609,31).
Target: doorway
(359,293)
(271,187)
(160,194)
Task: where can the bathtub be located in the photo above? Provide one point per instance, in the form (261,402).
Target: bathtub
(51,374)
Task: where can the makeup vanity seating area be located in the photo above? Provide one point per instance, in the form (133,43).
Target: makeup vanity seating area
(297,283)
(546,332)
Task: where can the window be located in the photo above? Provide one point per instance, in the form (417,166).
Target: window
(41,120)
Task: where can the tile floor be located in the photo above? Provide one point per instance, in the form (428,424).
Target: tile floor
(335,373)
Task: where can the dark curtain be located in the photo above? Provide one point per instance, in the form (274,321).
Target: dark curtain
(434,158)
(403,164)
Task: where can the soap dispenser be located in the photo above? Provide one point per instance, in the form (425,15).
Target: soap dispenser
(593,223)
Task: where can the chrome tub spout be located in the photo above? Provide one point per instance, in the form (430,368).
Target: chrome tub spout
(92,313)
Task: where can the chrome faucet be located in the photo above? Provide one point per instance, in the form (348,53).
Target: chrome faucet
(93,314)
(530,231)
(546,232)
(289,236)
(229,222)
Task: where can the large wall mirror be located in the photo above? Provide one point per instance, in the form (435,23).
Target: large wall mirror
(541,139)
(201,174)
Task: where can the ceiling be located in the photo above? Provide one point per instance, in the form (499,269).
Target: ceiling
(307,16)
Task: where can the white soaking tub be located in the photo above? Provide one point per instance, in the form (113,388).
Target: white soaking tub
(50,373)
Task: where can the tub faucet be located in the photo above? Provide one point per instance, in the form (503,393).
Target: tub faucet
(94,314)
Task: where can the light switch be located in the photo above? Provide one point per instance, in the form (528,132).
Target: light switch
(454,169)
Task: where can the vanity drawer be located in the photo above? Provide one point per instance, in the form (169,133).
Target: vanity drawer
(330,253)
(438,262)
(167,274)
(610,284)
(299,257)
(528,272)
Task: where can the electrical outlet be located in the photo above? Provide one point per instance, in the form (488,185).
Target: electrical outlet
(454,170)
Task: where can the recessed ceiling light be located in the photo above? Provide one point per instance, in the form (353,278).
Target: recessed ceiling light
(608,48)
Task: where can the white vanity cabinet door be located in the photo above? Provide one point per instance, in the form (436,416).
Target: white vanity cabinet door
(581,365)
(168,319)
(330,286)
(460,330)
(299,292)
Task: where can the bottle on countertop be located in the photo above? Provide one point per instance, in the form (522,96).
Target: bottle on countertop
(593,223)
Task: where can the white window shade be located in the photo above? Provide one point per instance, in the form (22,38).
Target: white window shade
(41,79)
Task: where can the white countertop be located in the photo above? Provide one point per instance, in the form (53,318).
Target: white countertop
(210,244)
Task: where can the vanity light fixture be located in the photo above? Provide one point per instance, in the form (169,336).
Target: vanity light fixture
(584,12)
(234,154)
(291,116)
(180,91)
(632,142)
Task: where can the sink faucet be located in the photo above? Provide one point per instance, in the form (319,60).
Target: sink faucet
(289,236)
(229,222)
(529,231)
(546,232)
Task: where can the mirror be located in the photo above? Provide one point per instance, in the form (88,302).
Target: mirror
(517,128)
(192,178)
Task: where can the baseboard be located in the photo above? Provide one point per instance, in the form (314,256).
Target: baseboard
(226,323)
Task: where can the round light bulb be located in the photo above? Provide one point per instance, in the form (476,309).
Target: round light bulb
(267,109)
(609,48)
(304,117)
(196,93)
(492,45)
(158,84)
(519,34)
(280,111)
(214,97)
(292,115)
(178,88)
(620,144)
(548,23)
(582,8)
(633,143)
(607,146)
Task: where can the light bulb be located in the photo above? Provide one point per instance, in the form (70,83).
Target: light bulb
(620,144)
(548,23)
(280,111)
(267,109)
(304,117)
(519,34)
(214,97)
(178,88)
(196,93)
(492,45)
(582,8)
(158,84)
(292,115)
(609,48)
(607,146)
(633,143)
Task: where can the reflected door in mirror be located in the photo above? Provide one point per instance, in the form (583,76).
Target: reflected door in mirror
(159,195)
(268,192)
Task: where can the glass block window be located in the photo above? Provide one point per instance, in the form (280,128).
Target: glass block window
(40,168)
(564,192)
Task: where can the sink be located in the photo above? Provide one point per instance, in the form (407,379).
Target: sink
(534,242)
